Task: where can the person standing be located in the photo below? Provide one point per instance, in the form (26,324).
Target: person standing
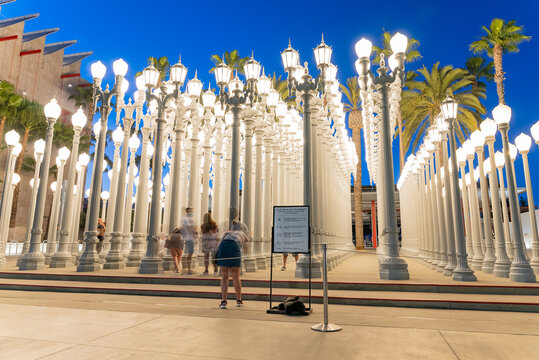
(229,259)
(189,233)
(101,228)
(175,244)
(209,231)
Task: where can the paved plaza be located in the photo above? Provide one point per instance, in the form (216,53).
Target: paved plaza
(88,326)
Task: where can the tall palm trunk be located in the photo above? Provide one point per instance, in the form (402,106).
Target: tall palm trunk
(499,74)
(356,124)
(401,146)
(2,124)
(18,171)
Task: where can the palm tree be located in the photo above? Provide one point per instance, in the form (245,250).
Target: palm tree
(501,38)
(83,96)
(355,122)
(232,59)
(420,103)
(9,101)
(411,55)
(30,120)
(480,69)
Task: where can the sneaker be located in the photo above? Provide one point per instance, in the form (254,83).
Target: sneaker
(205,273)
(190,272)
(223,304)
(283,268)
(239,303)
(215,273)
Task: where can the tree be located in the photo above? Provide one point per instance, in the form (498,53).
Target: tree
(29,119)
(501,38)
(232,59)
(420,102)
(83,97)
(480,69)
(411,55)
(9,101)
(355,122)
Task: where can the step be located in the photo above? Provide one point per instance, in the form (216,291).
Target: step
(169,278)
(521,303)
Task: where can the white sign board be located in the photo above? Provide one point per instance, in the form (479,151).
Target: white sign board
(291,229)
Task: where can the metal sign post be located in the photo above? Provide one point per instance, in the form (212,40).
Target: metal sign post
(326,326)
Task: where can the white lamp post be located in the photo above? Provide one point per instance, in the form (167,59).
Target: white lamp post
(524,142)
(34,259)
(509,248)
(520,268)
(7,194)
(62,257)
(105,195)
(134,143)
(535,132)
(89,260)
(462,272)
(82,165)
(12,138)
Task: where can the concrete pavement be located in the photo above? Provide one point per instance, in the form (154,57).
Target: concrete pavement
(89,326)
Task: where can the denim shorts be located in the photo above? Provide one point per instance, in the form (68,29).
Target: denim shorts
(189,246)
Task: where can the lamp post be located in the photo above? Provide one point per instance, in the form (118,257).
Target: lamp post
(89,260)
(15,179)
(134,144)
(12,139)
(62,257)
(520,270)
(509,248)
(105,196)
(61,159)
(524,142)
(34,259)
(462,272)
(392,266)
(151,263)
(461,159)
(39,148)
(83,162)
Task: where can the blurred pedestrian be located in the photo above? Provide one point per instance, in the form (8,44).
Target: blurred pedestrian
(175,244)
(209,231)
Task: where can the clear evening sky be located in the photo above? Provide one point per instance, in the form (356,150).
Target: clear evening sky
(135,30)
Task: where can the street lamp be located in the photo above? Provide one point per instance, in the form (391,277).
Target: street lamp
(62,257)
(34,259)
(89,261)
(524,142)
(535,132)
(12,139)
(151,263)
(520,268)
(392,266)
(462,272)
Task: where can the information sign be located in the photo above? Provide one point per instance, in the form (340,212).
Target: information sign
(291,229)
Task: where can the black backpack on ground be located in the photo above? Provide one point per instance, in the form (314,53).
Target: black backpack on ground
(292,306)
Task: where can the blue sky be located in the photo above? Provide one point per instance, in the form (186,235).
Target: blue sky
(135,30)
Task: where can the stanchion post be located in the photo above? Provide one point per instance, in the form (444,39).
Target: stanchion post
(326,326)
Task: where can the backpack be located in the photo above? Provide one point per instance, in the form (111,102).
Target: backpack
(292,306)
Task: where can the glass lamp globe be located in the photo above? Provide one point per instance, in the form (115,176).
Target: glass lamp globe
(53,186)
(63,153)
(151,76)
(235,85)
(488,128)
(486,166)
(331,72)
(150,150)
(139,82)
(535,131)
(125,86)
(87,193)
(392,62)
(461,156)
(398,43)
(32,183)
(499,159)
(273,98)
(322,54)
(84,159)
(222,74)
(105,195)
(12,138)
(501,114)
(208,98)
(118,135)
(513,151)
(15,179)
(194,87)
(298,73)
(477,138)
(134,142)
(178,72)
(449,108)
(229,119)
(251,68)
(290,58)
(363,48)
(52,109)
(219,110)
(98,70)
(109,174)
(39,146)
(523,142)
(119,67)
(78,119)
(263,85)
(104,166)
(150,184)
(97,127)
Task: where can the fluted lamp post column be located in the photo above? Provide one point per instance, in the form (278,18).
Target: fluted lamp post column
(523,143)
(520,270)
(34,259)
(89,260)
(462,272)
(62,257)
(151,263)
(392,266)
